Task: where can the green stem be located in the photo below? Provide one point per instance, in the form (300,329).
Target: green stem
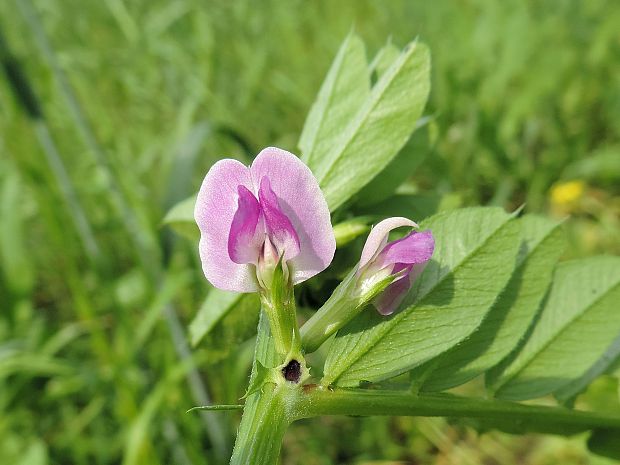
(283,323)
(351,296)
(494,413)
(278,303)
(264,422)
(339,309)
(266,414)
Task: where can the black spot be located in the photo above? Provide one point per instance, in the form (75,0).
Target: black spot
(292,371)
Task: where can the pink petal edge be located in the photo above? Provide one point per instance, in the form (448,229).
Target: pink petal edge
(215,209)
(301,200)
(378,237)
(415,247)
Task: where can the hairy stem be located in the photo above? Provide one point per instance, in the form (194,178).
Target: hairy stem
(504,415)
(283,324)
(266,414)
(278,303)
(262,429)
(339,309)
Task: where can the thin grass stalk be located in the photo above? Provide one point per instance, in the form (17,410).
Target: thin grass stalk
(214,427)
(26,97)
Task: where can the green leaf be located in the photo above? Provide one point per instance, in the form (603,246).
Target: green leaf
(348,230)
(568,392)
(181,218)
(603,165)
(511,315)
(226,310)
(15,265)
(415,206)
(399,169)
(216,408)
(384,59)
(215,306)
(380,128)
(605,442)
(344,90)
(475,253)
(262,376)
(576,326)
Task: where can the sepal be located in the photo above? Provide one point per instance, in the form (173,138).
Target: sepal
(263,376)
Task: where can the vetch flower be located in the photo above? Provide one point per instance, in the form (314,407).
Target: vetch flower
(383,277)
(403,259)
(251,217)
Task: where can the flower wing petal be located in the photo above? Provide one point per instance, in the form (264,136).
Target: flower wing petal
(215,209)
(303,203)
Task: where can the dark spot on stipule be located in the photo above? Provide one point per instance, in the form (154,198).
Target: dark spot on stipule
(292,371)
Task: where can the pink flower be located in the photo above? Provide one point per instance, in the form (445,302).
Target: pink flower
(404,258)
(249,217)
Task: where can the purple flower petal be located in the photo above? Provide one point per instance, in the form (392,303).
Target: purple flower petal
(408,254)
(301,200)
(247,232)
(215,209)
(278,226)
(378,237)
(416,247)
(392,297)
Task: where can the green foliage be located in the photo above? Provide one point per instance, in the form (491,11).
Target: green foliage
(181,219)
(228,326)
(400,168)
(346,87)
(346,231)
(510,316)
(378,130)
(576,326)
(384,59)
(603,165)
(568,392)
(216,306)
(16,267)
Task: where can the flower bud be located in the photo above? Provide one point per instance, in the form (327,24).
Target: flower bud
(383,276)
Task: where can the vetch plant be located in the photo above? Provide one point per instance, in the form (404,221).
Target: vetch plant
(470,292)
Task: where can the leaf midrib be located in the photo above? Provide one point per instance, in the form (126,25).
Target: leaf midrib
(401,315)
(365,110)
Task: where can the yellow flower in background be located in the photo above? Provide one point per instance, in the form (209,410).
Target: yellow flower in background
(565,195)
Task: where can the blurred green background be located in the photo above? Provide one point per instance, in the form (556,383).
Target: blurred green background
(135,99)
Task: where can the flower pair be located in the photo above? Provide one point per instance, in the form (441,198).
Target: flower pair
(252,218)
